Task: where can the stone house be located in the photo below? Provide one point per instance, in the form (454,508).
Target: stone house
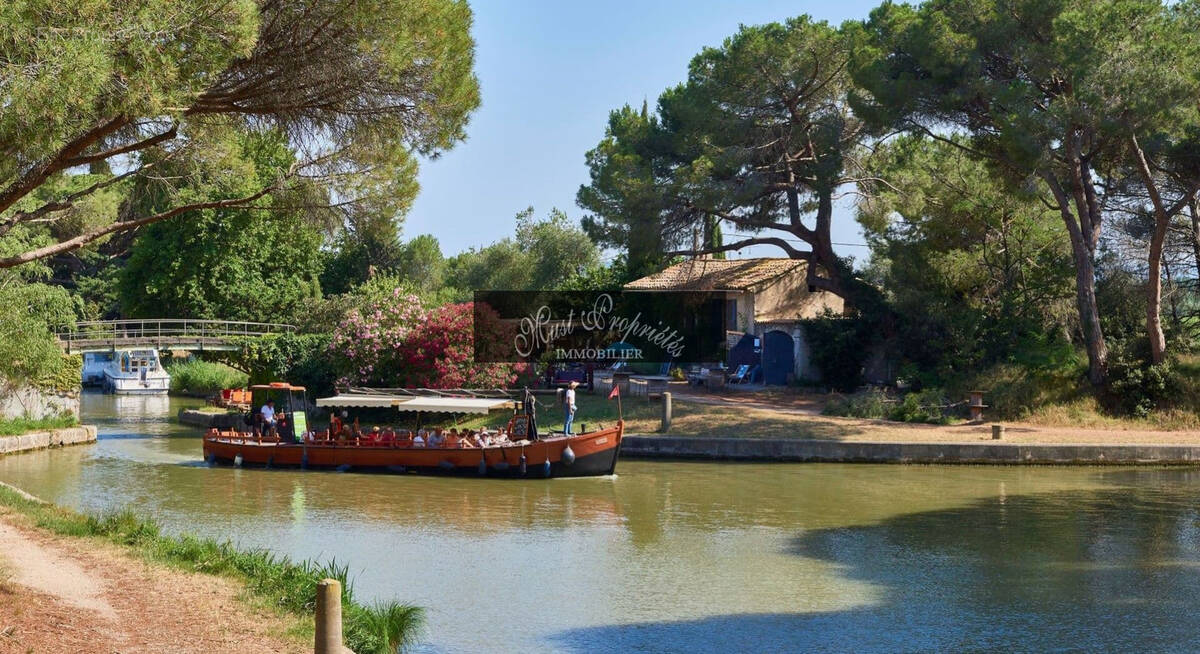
(766,299)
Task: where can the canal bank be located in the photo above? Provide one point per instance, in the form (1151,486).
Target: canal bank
(829,451)
(129,565)
(209,419)
(59,596)
(39,440)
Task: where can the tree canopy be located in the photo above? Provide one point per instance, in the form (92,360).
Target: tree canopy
(356,85)
(758,139)
(240,263)
(542,255)
(1045,90)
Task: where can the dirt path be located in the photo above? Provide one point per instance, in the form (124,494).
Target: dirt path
(79,595)
(776,414)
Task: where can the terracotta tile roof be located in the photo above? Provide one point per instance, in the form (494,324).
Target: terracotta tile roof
(719,274)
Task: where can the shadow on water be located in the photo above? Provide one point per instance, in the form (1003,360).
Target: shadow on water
(1110,569)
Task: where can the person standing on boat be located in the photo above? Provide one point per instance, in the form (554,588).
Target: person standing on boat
(569,407)
(268,413)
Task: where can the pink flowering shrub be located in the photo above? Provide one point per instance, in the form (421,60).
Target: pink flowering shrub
(398,343)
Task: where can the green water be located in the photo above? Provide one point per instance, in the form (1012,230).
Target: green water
(684,557)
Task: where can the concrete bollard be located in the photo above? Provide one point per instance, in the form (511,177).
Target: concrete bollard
(997,432)
(329,617)
(666,412)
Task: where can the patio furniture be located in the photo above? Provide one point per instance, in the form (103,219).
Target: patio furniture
(739,376)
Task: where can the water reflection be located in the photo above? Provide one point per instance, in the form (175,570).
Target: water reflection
(1115,568)
(688,556)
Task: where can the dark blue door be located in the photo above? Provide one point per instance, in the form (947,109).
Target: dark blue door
(779,357)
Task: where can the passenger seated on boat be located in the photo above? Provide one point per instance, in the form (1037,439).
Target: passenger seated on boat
(419,439)
(387,437)
(464,440)
(404,439)
(452,440)
(435,439)
(482,439)
(375,436)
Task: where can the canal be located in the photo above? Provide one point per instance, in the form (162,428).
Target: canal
(685,557)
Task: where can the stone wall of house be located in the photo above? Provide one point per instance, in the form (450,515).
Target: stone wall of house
(788,298)
(30,402)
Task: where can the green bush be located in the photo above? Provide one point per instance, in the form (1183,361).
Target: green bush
(196,376)
(928,406)
(1137,389)
(839,348)
(871,404)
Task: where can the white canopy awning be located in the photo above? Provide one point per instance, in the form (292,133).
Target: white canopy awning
(359,400)
(417,403)
(453,404)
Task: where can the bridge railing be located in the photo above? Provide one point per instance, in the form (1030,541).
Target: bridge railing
(164,330)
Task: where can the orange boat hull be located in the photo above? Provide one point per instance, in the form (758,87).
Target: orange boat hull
(595,453)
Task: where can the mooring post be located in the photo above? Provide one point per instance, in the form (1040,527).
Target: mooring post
(997,432)
(666,412)
(329,617)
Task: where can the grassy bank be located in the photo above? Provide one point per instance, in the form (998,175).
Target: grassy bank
(277,582)
(203,377)
(18,426)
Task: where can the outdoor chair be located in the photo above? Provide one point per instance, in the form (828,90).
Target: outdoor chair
(739,377)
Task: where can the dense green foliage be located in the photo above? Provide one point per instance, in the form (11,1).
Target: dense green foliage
(975,273)
(123,87)
(29,354)
(1051,94)
(226,263)
(383,628)
(203,377)
(541,255)
(839,347)
(301,359)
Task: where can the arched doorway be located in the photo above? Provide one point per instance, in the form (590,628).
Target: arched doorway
(779,357)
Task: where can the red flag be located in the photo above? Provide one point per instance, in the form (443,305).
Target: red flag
(615,391)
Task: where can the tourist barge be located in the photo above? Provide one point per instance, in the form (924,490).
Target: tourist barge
(528,453)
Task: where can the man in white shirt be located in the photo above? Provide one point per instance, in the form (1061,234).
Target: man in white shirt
(569,407)
(268,413)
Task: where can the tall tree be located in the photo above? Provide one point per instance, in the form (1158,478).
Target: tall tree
(977,272)
(629,169)
(543,255)
(422,264)
(355,84)
(1047,90)
(756,140)
(226,263)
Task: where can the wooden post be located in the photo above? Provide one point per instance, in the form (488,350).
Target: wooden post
(329,617)
(997,432)
(666,412)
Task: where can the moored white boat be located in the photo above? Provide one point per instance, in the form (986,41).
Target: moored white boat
(136,371)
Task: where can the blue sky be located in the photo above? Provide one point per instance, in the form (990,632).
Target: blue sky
(550,72)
